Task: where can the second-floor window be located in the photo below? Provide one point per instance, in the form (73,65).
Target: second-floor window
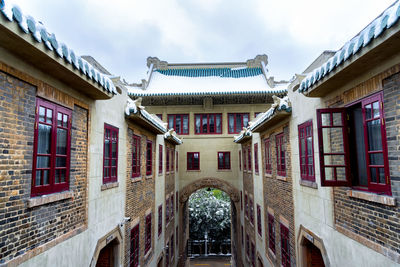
(180,122)
(259,228)
(149,157)
(147,244)
(160,159)
(193,160)
(167,155)
(271,233)
(267,156)
(134,253)
(159,220)
(236,122)
(251,204)
(110,160)
(306,151)
(280,155)
(135,156)
(285,246)
(256,158)
(208,123)
(224,160)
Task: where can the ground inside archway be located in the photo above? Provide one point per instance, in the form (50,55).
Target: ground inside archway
(217,262)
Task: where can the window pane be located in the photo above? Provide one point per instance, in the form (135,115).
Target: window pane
(62,175)
(329,174)
(42,114)
(45,177)
(326,119)
(59,119)
(107,148)
(337,119)
(238,123)
(114,149)
(374,135)
(43,162)
(245,120)
(231,123)
(38,178)
(49,117)
(376,159)
(382,175)
(374,176)
(61,162)
(218,122)
(113,162)
(361,161)
(61,141)
(309,146)
(303,147)
(197,123)
(333,140)
(375,107)
(171,122)
(204,124)
(334,160)
(65,120)
(185,124)
(227,160)
(212,125)
(341,174)
(44,139)
(178,124)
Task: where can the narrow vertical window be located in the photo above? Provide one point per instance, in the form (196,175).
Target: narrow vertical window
(241,200)
(159,220)
(172,159)
(147,245)
(253,255)
(176,201)
(246,206)
(271,233)
(160,159)
(256,158)
(259,228)
(249,158)
(267,156)
(177,235)
(149,157)
(177,160)
(110,160)
(224,160)
(240,160)
(172,205)
(247,245)
(167,255)
(172,243)
(306,151)
(251,204)
(285,246)
(280,155)
(167,155)
(134,245)
(166,211)
(52,148)
(242,235)
(135,156)
(193,160)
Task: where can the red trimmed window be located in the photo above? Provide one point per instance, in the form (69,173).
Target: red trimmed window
(167,155)
(259,228)
(249,158)
(285,246)
(159,220)
(166,211)
(160,159)
(224,160)
(251,204)
(271,233)
(247,245)
(177,160)
(280,155)
(149,157)
(242,235)
(240,160)
(167,255)
(172,246)
(236,122)
(361,150)
(267,156)
(208,123)
(306,151)
(193,160)
(176,201)
(134,253)
(135,156)
(253,255)
(110,159)
(147,244)
(256,158)
(180,123)
(246,206)
(172,204)
(52,148)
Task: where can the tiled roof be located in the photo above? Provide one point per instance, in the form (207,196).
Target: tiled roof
(132,107)
(217,72)
(386,20)
(28,25)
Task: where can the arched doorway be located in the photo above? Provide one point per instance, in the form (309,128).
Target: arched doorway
(312,249)
(235,218)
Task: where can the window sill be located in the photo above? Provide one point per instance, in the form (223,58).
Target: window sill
(224,170)
(43,200)
(310,184)
(372,197)
(282,178)
(193,170)
(268,175)
(136,179)
(109,186)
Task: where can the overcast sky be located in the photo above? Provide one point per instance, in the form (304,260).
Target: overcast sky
(121,34)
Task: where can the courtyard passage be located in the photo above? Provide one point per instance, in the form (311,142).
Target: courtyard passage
(213,262)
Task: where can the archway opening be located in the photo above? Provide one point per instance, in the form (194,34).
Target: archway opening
(209,224)
(313,256)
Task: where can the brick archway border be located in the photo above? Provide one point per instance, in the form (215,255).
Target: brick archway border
(305,234)
(209,182)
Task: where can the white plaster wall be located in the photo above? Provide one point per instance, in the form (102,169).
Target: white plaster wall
(105,208)
(314,207)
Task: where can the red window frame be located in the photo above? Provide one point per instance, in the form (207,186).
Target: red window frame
(207,117)
(247,245)
(172,205)
(134,252)
(110,170)
(40,188)
(193,166)
(280,154)
(253,254)
(167,259)
(172,123)
(172,247)
(256,158)
(136,140)
(160,159)
(251,204)
(240,160)
(159,220)
(167,155)
(246,206)
(242,235)
(259,228)
(285,246)
(249,159)
(306,153)
(222,156)
(235,126)
(271,233)
(147,244)
(323,154)
(267,156)
(149,157)
(166,211)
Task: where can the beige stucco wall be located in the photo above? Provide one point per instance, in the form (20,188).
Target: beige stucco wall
(314,207)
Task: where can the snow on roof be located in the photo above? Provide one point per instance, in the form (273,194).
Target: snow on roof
(280,104)
(373,30)
(28,25)
(211,81)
